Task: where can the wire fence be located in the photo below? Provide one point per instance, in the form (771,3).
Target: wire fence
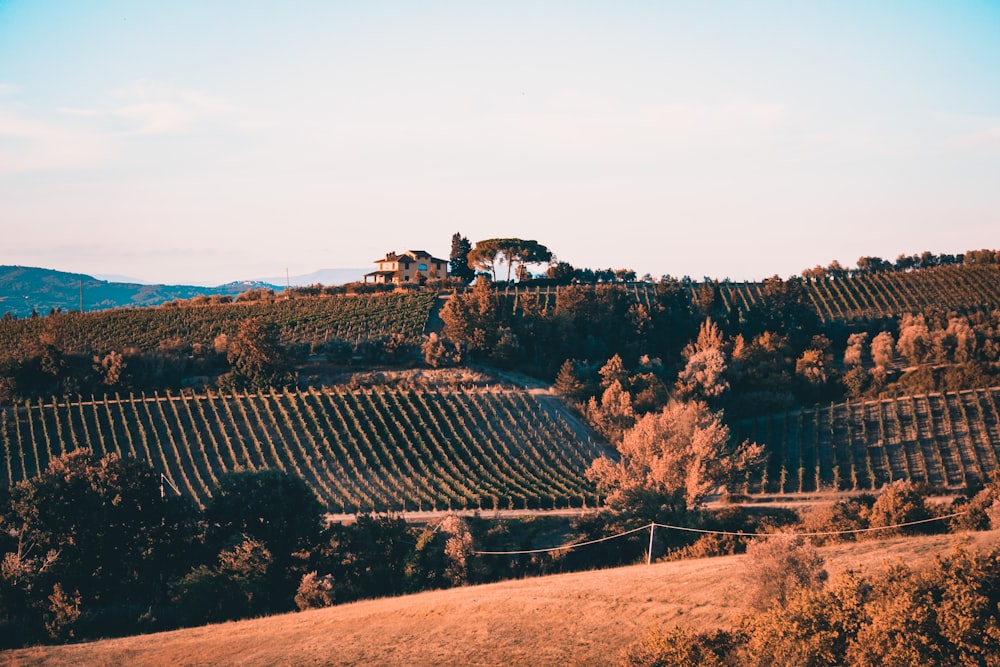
(652,526)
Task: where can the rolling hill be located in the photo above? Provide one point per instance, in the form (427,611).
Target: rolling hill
(25,289)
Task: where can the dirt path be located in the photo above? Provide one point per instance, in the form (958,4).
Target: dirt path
(434,322)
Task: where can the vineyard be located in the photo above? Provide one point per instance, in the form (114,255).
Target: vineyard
(368,450)
(302,320)
(944,440)
(860,296)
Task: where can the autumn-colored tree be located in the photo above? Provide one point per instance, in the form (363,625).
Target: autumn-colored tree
(882,349)
(957,343)
(439,352)
(613,371)
(854,352)
(568,381)
(914,339)
(315,591)
(679,647)
(473,318)
(682,451)
(613,414)
(703,376)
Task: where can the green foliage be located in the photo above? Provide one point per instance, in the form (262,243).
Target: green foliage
(277,509)
(459,264)
(237,586)
(97,527)
(257,358)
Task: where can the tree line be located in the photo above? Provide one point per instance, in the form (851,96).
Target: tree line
(103,546)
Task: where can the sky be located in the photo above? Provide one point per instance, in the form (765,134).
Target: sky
(205,142)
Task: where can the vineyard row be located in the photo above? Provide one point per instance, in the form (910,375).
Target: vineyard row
(947,441)
(861,296)
(368,450)
(302,320)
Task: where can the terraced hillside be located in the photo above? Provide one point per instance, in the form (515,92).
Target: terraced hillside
(368,450)
(943,440)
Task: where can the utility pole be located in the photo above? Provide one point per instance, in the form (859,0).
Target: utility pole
(649,558)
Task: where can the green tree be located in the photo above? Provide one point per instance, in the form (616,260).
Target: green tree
(459,264)
(513,252)
(272,506)
(116,540)
(236,586)
(257,358)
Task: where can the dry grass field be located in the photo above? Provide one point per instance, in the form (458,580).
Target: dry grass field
(582,618)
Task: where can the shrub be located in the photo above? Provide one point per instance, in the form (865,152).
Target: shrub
(982,510)
(679,647)
(314,591)
(779,565)
(814,628)
(899,502)
(843,515)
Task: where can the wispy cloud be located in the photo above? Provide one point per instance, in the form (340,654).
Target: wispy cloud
(155,108)
(73,136)
(28,145)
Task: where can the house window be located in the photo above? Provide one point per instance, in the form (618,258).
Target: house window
(406,278)
(421,267)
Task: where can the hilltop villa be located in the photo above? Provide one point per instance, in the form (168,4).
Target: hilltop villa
(412,266)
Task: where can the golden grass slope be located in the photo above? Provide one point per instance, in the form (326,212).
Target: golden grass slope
(582,618)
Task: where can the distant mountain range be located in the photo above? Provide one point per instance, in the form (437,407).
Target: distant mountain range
(322,277)
(25,289)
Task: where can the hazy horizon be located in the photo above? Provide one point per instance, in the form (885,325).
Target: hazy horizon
(204,143)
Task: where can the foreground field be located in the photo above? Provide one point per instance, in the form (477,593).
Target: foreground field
(583,618)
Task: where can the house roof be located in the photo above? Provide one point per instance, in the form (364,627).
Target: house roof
(410,255)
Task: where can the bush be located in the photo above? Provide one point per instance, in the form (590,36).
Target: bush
(680,648)
(898,503)
(779,565)
(843,515)
(314,591)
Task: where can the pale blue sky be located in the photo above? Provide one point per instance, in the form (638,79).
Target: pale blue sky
(212,141)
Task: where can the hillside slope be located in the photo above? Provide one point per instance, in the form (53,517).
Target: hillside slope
(582,618)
